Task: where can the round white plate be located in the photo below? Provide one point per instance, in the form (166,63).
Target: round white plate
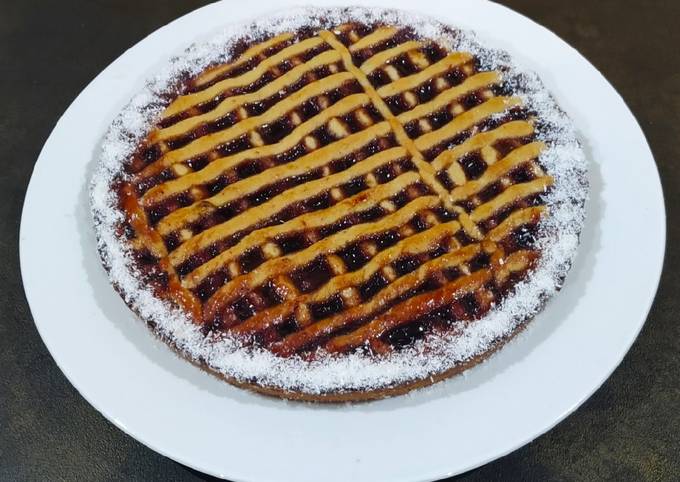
(178,410)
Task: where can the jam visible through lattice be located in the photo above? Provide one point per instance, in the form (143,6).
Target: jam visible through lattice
(360,188)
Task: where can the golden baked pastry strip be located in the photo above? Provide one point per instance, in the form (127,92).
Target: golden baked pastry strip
(285,264)
(187,101)
(265,272)
(256,51)
(205,145)
(219,166)
(362,201)
(379,35)
(327,58)
(431,271)
(420,305)
(301,69)
(227,105)
(346,283)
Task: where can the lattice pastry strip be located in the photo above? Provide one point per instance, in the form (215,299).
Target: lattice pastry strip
(214,172)
(233,140)
(248,60)
(360,173)
(419,305)
(273,205)
(277,90)
(333,243)
(249,78)
(438,237)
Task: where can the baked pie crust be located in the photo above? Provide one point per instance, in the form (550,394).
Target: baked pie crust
(339,204)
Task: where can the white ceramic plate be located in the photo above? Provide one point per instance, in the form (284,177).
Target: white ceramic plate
(178,410)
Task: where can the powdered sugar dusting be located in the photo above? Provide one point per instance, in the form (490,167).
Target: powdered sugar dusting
(558,233)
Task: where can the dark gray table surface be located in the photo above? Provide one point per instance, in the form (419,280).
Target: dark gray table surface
(50,50)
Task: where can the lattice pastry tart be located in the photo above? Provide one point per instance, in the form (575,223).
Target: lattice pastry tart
(339,204)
